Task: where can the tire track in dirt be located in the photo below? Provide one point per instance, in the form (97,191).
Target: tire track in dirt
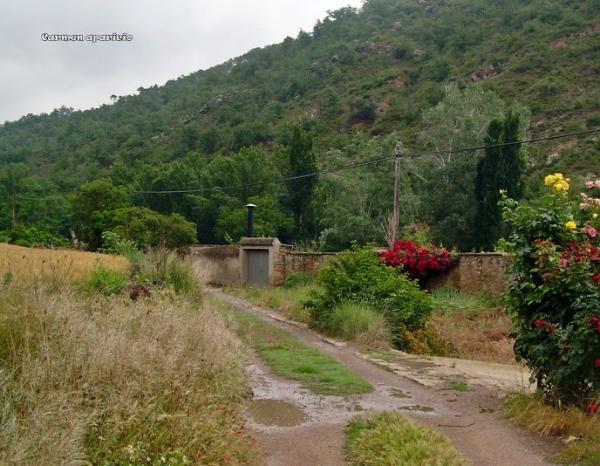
(469,419)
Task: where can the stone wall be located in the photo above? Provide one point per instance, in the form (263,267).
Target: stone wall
(216,265)
(288,262)
(476,273)
(483,273)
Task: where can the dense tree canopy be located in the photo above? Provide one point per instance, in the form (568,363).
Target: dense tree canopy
(433,75)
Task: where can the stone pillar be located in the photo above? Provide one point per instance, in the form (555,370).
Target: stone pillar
(270,247)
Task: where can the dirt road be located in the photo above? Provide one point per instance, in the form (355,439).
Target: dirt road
(310,428)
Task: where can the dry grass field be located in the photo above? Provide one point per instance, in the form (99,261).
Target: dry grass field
(63,266)
(92,379)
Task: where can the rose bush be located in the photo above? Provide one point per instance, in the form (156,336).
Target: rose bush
(554,297)
(418,261)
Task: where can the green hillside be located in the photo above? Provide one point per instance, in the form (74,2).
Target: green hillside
(358,83)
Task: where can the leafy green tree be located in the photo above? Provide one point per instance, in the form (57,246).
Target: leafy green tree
(270,220)
(459,121)
(501,168)
(92,205)
(176,232)
(12,178)
(302,161)
(149,228)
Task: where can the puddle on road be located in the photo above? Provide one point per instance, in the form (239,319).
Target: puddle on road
(275,413)
(422,409)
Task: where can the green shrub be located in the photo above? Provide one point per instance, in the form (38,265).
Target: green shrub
(357,276)
(357,322)
(428,341)
(295,280)
(116,245)
(32,237)
(106,281)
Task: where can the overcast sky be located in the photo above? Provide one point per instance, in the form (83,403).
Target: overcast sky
(170,38)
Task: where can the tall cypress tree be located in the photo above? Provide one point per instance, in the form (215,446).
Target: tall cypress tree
(302,160)
(500,168)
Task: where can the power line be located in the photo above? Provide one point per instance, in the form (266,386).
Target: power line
(349,166)
(50,196)
(372,162)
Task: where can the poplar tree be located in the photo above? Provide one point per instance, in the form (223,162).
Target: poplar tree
(302,161)
(499,169)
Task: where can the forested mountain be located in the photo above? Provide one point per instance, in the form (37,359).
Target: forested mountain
(431,74)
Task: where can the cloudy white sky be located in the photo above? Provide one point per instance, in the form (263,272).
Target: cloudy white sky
(170,38)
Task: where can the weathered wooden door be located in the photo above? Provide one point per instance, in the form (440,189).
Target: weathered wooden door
(258,267)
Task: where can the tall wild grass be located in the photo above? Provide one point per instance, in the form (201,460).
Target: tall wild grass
(91,379)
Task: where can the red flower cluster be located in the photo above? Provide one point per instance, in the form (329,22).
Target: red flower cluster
(580,252)
(595,321)
(417,260)
(593,408)
(542,324)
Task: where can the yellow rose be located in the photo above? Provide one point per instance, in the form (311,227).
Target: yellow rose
(557,182)
(550,180)
(561,186)
(571,226)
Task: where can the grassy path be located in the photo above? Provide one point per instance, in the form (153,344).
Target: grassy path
(468,418)
(290,358)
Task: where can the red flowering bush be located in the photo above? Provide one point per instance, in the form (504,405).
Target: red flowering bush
(417,261)
(554,297)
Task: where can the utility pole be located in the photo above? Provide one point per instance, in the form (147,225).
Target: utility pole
(14,210)
(395,221)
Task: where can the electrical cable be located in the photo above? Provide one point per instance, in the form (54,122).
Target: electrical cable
(371,162)
(355,165)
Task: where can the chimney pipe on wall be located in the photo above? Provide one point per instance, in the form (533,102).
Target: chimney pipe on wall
(250,230)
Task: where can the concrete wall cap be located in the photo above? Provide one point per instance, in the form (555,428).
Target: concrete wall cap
(259,242)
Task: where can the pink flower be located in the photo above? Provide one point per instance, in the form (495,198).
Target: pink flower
(592,184)
(591,231)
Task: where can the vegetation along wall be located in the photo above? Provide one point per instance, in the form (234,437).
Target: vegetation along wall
(289,262)
(476,273)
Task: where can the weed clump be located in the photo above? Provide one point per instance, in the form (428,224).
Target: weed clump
(580,429)
(297,279)
(358,322)
(106,281)
(390,438)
